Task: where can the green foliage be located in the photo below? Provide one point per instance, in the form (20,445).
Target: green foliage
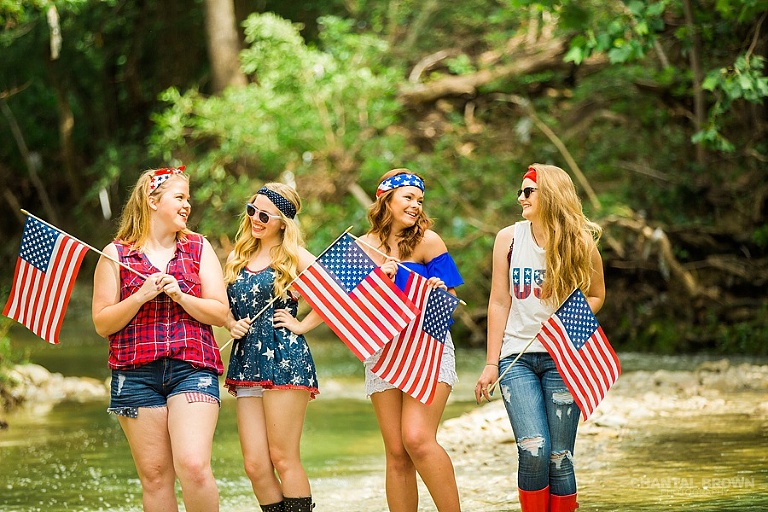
(305,108)
(745,80)
(8,359)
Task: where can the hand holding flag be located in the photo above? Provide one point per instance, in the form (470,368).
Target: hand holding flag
(354,297)
(411,362)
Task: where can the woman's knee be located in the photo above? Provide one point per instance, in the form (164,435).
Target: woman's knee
(283,460)
(194,470)
(533,454)
(419,444)
(155,478)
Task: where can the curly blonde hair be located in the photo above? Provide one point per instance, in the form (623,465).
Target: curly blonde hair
(134,219)
(284,257)
(572,236)
(380,219)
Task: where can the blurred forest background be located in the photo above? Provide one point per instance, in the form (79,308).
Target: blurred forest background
(656,108)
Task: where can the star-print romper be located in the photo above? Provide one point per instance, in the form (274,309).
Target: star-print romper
(266,357)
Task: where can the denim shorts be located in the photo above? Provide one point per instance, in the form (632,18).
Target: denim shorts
(152,384)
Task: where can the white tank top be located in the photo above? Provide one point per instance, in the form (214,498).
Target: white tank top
(527,312)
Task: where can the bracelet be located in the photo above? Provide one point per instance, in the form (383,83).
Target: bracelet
(492,364)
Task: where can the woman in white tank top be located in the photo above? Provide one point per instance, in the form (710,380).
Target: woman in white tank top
(537,263)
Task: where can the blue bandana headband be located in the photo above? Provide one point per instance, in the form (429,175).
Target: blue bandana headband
(282,203)
(400,180)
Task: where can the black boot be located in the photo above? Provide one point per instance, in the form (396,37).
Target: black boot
(299,504)
(274,507)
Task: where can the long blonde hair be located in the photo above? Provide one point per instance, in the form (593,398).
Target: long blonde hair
(572,236)
(134,220)
(380,219)
(284,257)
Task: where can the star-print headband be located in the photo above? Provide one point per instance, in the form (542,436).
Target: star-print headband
(161,175)
(400,180)
(282,203)
(531,174)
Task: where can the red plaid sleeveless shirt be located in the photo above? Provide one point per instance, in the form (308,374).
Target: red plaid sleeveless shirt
(162,328)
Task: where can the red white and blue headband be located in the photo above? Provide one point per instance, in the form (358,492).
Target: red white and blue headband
(284,205)
(400,180)
(160,176)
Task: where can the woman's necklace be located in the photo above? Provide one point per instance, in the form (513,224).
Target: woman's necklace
(534,237)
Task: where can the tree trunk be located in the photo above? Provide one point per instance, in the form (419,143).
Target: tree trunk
(223,45)
(699,117)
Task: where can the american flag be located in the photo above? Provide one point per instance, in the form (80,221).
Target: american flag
(45,273)
(411,362)
(355,298)
(584,358)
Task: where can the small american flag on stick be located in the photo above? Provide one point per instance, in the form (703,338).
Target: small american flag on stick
(411,362)
(584,358)
(355,298)
(45,273)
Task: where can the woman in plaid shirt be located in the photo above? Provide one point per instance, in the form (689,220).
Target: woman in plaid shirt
(157,309)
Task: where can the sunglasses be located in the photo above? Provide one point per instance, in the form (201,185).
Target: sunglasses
(263,216)
(527,191)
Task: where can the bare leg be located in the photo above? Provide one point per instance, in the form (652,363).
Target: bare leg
(402,489)
(191,427)
(150,445)
(251,425)
(420,423)
(284,411)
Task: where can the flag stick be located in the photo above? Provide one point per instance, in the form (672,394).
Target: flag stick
(493,386)
(391,258)
(126,267)
(227,344)
(257,315)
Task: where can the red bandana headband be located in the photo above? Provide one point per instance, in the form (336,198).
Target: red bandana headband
(531,175)
(161,175)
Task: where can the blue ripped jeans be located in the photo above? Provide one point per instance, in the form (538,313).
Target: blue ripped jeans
(544,418)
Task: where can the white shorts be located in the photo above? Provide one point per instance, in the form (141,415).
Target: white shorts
(249,391)
(375,384)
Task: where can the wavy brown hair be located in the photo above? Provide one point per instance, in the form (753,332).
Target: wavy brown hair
(284,257)
(380,218)
(572,236)
(134,220)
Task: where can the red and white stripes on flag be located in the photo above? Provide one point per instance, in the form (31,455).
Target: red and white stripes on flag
(584,357)
(411,362)
(355,298)
(45,273)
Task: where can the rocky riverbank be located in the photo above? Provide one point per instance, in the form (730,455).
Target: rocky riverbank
(638,406)
(33,386)
(661,439)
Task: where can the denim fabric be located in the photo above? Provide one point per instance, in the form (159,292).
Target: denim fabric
(544,418)
(150,385)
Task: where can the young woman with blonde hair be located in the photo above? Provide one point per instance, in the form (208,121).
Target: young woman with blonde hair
(164,359)
(537,263)
(401,230)
(271,370)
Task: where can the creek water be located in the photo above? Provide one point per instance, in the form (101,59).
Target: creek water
(73,456)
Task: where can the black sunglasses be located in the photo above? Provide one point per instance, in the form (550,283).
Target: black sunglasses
(527,191)
(263,217)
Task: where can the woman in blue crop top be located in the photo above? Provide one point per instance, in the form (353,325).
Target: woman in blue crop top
(400,229)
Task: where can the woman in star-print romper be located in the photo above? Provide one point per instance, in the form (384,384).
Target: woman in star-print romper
(271,370)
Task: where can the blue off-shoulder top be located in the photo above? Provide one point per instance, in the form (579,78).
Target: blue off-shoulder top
(441,266)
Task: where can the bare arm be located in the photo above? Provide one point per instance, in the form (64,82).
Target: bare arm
(283,318)
(596,292)
(109,313)
(499,303)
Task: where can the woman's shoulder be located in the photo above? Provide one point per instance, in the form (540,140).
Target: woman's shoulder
(431,246)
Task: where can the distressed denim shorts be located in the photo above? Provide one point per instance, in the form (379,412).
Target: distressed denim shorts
(152,384)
